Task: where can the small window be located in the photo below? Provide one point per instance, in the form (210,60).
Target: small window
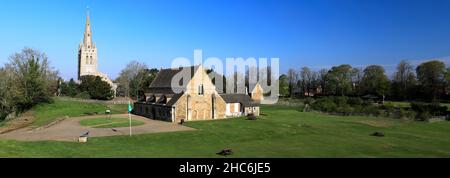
(201,90)
(181,82)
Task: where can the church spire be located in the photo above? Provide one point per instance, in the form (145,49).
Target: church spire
(87,33)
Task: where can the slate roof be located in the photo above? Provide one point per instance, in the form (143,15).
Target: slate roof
(163,81)
(244,99)
(174,99)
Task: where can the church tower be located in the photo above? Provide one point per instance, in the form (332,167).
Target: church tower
(87,53)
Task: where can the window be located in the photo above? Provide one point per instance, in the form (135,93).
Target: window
(201,90)
(181,82)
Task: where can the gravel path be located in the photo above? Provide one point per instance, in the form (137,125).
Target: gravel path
(70,129)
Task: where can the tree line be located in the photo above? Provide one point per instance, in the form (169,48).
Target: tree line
(429,81)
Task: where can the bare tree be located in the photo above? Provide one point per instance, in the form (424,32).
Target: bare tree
(404,80)
(357,75)
(292,79)
(306,79)
(322,78)
(404,74)
(130,72)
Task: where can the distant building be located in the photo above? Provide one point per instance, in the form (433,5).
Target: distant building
(87,57)
(313,91)
(196,100)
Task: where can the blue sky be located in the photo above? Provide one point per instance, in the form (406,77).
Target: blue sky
(315,33)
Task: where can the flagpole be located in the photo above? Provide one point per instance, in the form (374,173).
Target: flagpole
(129,116)
(131,132)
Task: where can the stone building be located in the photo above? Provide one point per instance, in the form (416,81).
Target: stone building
(87,57)
(198,99)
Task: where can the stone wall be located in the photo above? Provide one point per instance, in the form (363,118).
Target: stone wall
(257,93)
(152,111)
(200,105)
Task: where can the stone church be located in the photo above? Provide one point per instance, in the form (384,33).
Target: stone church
(87,57)
(198,99)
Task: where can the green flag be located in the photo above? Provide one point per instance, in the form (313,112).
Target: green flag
(130,108)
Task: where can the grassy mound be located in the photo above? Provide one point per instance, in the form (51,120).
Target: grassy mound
(47,113)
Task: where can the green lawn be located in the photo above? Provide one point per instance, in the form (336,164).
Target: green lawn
(110,122)
(408,104)
(280,132)
(46,113)
(398,103)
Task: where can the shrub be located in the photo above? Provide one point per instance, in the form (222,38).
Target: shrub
(345,110)
(354,101)
(381,113)
(370,110)
(354,105)
(325,104)
(405,114)
(368,102)
(308,101)
(423,116)
(434,109)
(341,100)
(390,111)
(251,117)
(83,95)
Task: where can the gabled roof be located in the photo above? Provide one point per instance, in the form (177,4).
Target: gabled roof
(244,99)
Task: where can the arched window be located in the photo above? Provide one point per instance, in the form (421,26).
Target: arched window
(92,61)
(87,59)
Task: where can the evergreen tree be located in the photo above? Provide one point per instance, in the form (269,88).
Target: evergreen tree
(96,87)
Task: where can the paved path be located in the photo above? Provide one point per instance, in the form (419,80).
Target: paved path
(70,129)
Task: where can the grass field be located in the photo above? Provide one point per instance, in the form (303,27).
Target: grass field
(408,104)
(280,132)
(46,113)
(109,122)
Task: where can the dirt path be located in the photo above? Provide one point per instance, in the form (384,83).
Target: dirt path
(70,129)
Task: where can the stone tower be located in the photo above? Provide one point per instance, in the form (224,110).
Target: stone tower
(87,57)
(87,53)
